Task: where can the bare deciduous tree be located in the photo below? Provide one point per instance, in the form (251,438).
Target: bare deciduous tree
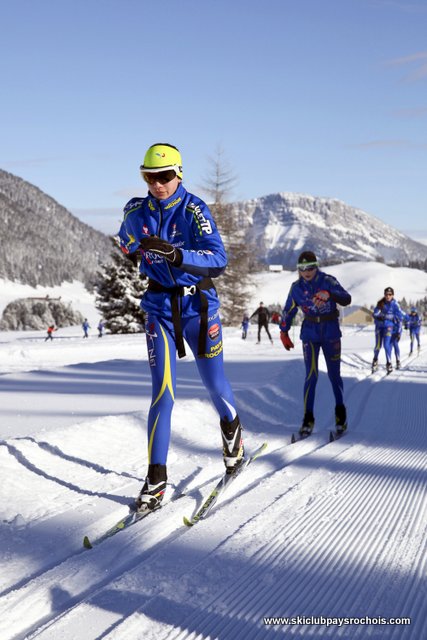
(234,284)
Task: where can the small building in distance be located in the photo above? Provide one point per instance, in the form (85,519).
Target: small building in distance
(356,315)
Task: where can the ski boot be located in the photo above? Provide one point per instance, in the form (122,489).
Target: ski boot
(340,418)
(233,450)
(389,367)
(154,488)
(374,365)
(307,425)
(397,364)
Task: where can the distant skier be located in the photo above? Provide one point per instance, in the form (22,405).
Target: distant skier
(50,331)
(245,326)
(263,318)
(100,329)
(413,323)
(317,294)
(86,327)
(387,315)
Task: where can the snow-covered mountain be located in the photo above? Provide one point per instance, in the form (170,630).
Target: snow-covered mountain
(282,225)
(42,243)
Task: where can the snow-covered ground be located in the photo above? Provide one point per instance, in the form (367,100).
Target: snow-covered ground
(327,533)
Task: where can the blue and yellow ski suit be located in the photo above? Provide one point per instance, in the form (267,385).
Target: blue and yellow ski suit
(413,323)
(320,329)
(388,317)
(185,221)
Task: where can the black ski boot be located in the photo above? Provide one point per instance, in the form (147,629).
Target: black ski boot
(389,367)
(374,365)
(340,418)
(307,424)
(397,364)
(233,450)
(154,488)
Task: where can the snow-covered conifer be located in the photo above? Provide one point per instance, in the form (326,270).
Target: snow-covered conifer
(119,288)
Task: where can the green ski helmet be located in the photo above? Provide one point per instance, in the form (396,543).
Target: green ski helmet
(161,157)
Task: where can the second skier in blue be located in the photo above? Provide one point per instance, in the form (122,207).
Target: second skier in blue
(317,295)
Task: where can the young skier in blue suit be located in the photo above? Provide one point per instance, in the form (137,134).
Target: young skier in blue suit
(181,251)
(388,315)
(413,323)
(317,294)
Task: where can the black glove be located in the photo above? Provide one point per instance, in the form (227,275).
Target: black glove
(162,248)
(133,257)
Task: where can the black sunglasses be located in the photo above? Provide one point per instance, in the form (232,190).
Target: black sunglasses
(163,177)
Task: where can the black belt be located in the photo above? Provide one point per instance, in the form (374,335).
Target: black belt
(178,292)
(326,318)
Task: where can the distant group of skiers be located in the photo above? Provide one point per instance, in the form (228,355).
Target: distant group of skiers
(317,293)
(389,321)
(85,327)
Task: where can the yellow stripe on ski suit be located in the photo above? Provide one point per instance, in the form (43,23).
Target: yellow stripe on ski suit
(313,369)
(166,384)
(167,375)
(150,444)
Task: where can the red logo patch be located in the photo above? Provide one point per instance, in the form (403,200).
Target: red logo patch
(214,331)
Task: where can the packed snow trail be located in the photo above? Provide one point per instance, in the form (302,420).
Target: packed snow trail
(314,529)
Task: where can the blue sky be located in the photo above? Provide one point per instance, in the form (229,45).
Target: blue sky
(325,97)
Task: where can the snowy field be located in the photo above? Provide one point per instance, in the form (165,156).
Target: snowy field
(327,533)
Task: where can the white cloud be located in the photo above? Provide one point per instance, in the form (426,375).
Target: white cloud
(418,59)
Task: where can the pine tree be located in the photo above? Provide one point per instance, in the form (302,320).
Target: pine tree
(234,284)
(119,288)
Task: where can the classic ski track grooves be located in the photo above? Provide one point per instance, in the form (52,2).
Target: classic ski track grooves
(398,505)
(165,535)
(324,542)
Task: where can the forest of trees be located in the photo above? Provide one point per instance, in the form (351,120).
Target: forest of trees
(42,243)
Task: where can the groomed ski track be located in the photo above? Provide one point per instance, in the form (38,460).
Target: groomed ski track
(333,530)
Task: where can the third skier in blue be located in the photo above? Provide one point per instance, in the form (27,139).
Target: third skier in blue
(387,316)
(413,323)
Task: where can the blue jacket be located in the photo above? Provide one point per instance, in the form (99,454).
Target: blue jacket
(413,321)
(301,295)
(389,315)
(185,221)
